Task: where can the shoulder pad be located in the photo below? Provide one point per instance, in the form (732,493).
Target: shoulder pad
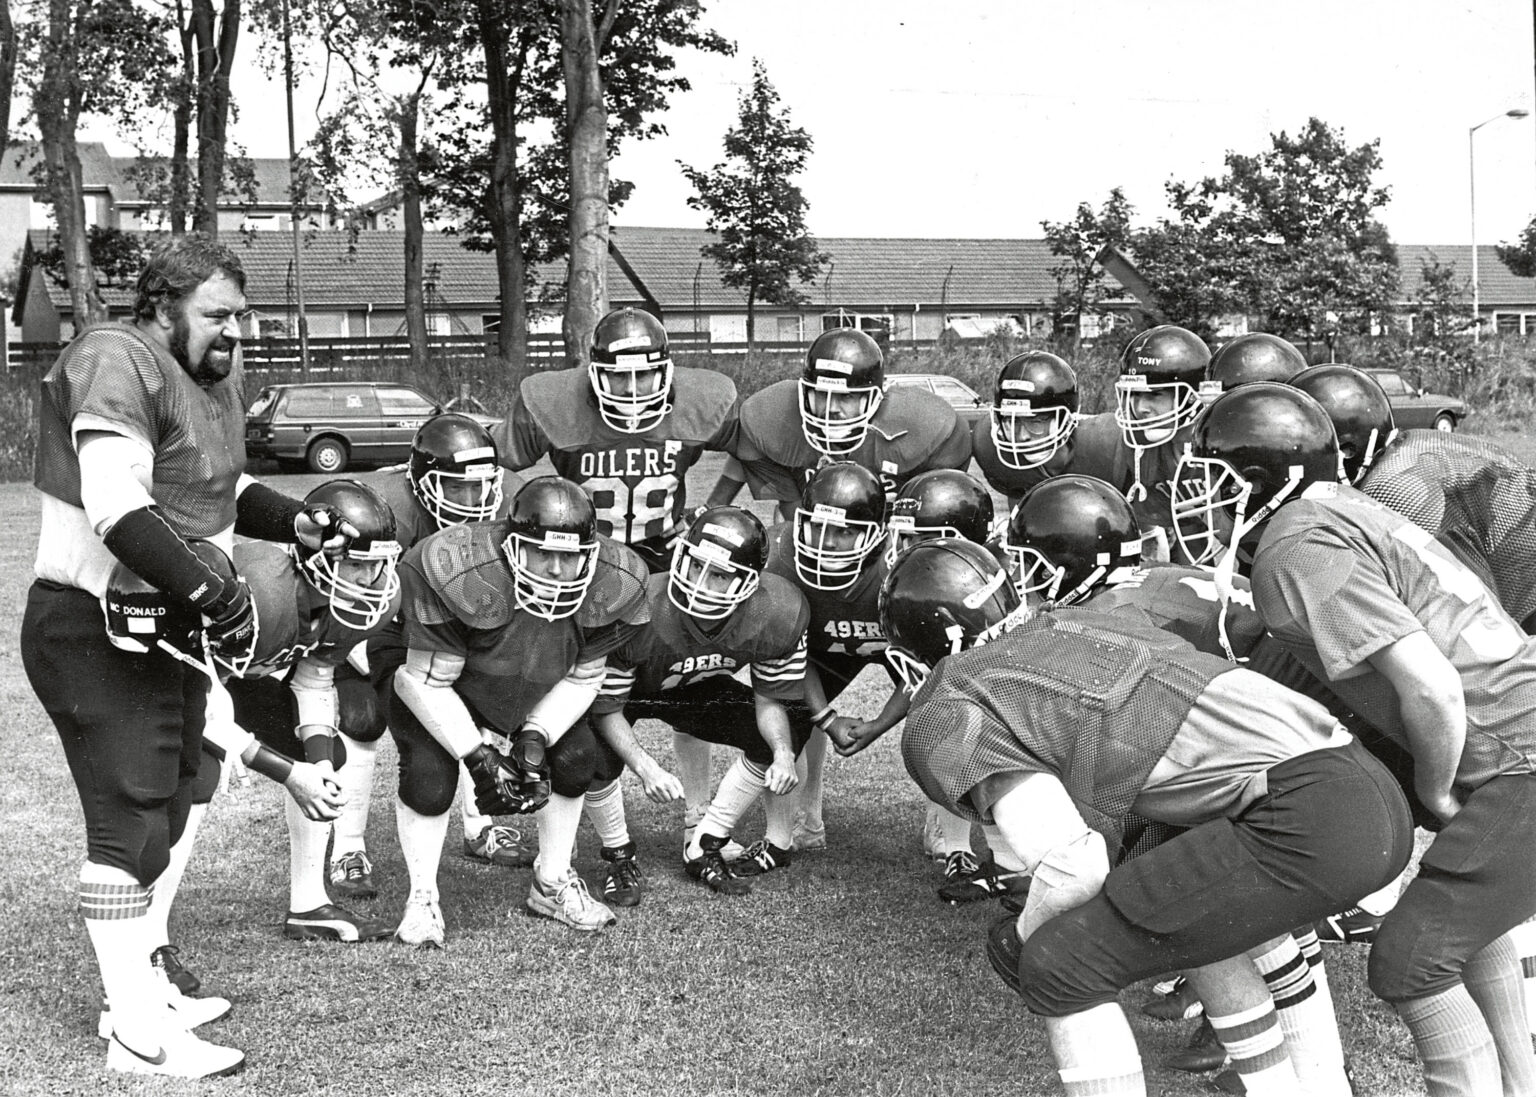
(781,550)
(617,592)
(775,615)
(560,403)
(276,587)
(702,401)
(770,421)
(910,410)
(469,571)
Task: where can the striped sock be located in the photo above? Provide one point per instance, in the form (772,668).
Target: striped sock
(1312,952)
(1096,1054)
(115,908)
(605,809)
(1306,1018)
(1493,978)
(1256,1046)
(1454,1043)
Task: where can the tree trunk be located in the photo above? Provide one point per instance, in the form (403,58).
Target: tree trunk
(586,118)
(181,123)
(752,316)
(216,38)
(409,175)
(7,70)
(503,197)
(57,106)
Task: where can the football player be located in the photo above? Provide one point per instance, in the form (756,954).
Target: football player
(506,625)
(628,429)
(140,449)
(838,409)
(1256,356)
(1410,638)
(712,614)
(1265,781)
(452,477)
(1028,436)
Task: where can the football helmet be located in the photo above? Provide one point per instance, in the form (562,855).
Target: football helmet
(1167,364)
(362,582)
(840,390)
(142,618)
(1034,411)
(716,565)
(938,503)
(843,503)
(629,348)
(1254,448)
(453,470)
(1068,536)
(1360,410)
(941,598)
(551,544)
(1257,356)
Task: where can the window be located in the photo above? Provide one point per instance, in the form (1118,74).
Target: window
(1391,384)
(790,330)
(1515,323)
(405,404)
(330,403)
(953,391)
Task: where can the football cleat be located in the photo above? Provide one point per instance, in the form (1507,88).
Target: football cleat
(178,1055)
(623,881)
(1178,1002)
(1003,948)
(352,876)
(710,867)
(1355,926)
(1203,1052)
(168,959)
(729,853)
(186,1013)
(333,923)
(988,881)
(569,903)
(960,865)
(421,926)
(761,857)
(501,845)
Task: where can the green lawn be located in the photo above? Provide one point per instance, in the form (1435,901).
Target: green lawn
(842,975)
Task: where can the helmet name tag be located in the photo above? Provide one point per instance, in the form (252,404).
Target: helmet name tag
(832,365)
(1129,382)
(635,361)
(832,384)
(1016,407)
(715,554)
(560,540)
(479,453)
(627,342)
(902,523)
(821,512)
(1018,384)
(974,599)
(726,534)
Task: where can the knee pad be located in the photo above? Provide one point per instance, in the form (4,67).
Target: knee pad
(573,761)
(358,708)
(428,774)
(1053,981)
(608,767)
(1393,972)
(207,781)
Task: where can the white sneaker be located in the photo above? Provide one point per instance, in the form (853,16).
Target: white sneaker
(569,902)
(178,1055)
(186,1013)
(422,923)
(731,851)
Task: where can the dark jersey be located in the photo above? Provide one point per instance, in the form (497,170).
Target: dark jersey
(1099,449)
(913,431)
(412,521)
(1184,601)
(844,624)
(636,481)
(457,589)
(1476,499)
(1338,577)
(766,633)
(113,374)
(1012,482)
(293,619)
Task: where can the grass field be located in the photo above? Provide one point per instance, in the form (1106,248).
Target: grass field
(842,975)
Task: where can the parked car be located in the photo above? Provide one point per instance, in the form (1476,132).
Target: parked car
(330,425)
(1413,408)
(957,394)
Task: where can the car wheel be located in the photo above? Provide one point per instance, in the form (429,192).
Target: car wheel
(328,455)
(1446,423)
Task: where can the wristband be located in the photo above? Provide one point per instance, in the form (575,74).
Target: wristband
(824,724)
(325,747)
(269,763)
(822,715)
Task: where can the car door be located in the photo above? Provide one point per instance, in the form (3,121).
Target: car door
(959,396)
(1407,412)
(402,411)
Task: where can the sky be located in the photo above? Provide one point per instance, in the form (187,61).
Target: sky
(978,118)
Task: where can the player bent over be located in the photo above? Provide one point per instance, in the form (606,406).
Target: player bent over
(506,627)
(1054,727)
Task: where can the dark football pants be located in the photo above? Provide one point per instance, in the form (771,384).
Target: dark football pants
(1333,827)
(429,774)
(1476,881)
(131,726)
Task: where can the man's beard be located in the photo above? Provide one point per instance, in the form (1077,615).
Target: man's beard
(217,360)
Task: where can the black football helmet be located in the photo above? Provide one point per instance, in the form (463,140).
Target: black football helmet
(142,618)
(1166,361)
(1257,356)
(453,470)
(1360,410)
(843,503)
(941,598)
(1068,537)
(630,354)
(717,564)
(1034,409)
(938,503)
(1254,449)
(551,544)
(362,582)
(841,363)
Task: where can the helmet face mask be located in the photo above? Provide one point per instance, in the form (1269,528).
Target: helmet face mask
(841,389)
(831,548)
(453,471)
(552,547)
(1034,409)
(631,371)
(717,564)
(1069,536)
(1158,391)
(360,584)
(1210,501)
(935,505)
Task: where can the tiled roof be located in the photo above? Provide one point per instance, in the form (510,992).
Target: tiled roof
(1496,284)
(100,169)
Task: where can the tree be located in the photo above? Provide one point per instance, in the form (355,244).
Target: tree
(1080,280)
(586,127)
(754,207)
(1520,257)
(1440,306)
(9,46)
(1287,236)
(116,256)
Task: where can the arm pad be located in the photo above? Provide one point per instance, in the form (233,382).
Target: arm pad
(156,553)
(425,684)
(314,689)
(265,514)
(269,763)
(567,700)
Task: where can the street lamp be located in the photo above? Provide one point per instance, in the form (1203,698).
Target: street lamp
(1477,316)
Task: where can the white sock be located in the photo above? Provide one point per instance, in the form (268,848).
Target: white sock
(1253,1039)
(605,808)
(114,906)
(1002,852)
(1524,936)
(811,769)
(1096,1054)
(157,920)
(421,843)
(306,859)
(558,821)
(356,781)
(1307,1019)
(739,789)
(474,822)
(952,833)
(692,770)
(780,813)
